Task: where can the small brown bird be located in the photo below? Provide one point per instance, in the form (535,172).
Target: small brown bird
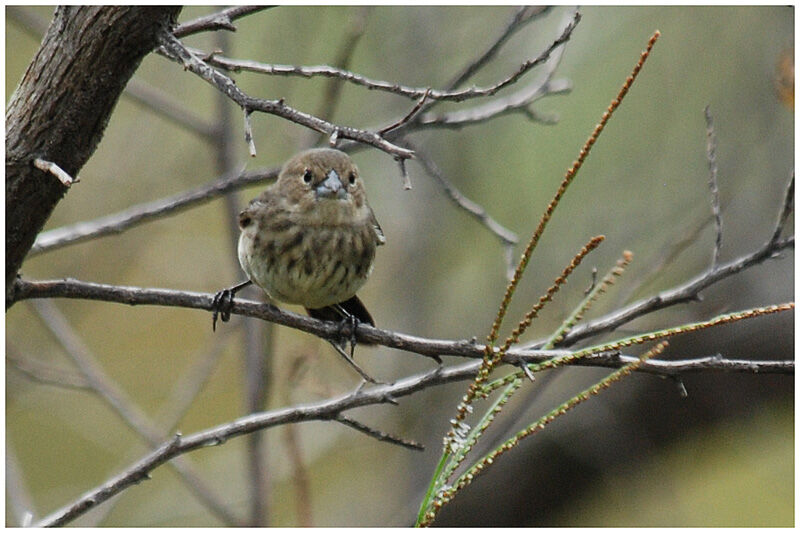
(310,238)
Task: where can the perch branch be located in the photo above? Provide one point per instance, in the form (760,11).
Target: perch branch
(364,333)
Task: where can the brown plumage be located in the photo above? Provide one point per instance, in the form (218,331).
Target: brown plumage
(310,238)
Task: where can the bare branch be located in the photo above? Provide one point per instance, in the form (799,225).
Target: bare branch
(123,406)
(222,20)
(406,119)
(333,88)
(711,153)
(505,235)
(55,170)
(685,292)
(137,90)
(248,134)
(17,494)
(786,210)
(238,65)
(378,434)
(27,20)
(522,16)
(133,216)
(517,102)
(169,108)
(44,373)
(175,50)
(328,330)
(404,174)
(330,409)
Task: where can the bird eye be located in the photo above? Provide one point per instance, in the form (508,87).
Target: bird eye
(308,176)
(352,178)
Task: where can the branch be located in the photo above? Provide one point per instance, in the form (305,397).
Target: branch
(175,50)
(133,216)
(711,155)
(169,108)
(61,107)
(686,292)
(521,17)
(786,210)
(379,435)
(137,90)
(238,65)
(332,409)
(44,373)
(121,404)
(506,236)
(222,20)
(433,348)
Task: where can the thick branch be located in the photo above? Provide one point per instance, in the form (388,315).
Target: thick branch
(62,105)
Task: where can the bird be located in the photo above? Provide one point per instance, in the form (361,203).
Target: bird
(310,239)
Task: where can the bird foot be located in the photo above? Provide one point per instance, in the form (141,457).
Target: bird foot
(222,303)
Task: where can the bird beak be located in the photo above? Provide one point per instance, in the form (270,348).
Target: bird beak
(331,187)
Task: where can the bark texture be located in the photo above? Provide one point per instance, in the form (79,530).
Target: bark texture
(62,105)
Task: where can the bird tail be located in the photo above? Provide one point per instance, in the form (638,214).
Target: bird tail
(352,307)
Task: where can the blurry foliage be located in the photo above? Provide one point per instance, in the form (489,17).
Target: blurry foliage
(441,274)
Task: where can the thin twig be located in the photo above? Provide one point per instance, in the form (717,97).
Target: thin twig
(44,373)
(123,406)
(137,214)
(52,168)
(136,89)
(378,434)
(505,235)
(711,154)
(248,134)
(17,494)
(332,92)
(685,292)
(28,20)
(254,356)
(190,383)
(175,50)
(522,16)
(237,65)
(786,210)
(404,174)
(408,117)
(326,410)
(167,107)
(299,477)
(222,20)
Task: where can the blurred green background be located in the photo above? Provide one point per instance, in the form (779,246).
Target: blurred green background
(639,455)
